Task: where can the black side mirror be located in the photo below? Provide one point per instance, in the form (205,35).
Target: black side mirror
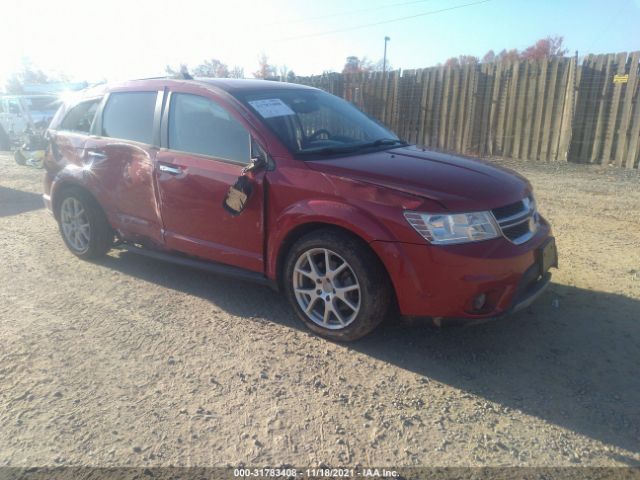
(238,195)
(240,192)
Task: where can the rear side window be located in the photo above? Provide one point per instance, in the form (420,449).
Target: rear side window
(130,116)
(199,125)
(80,117)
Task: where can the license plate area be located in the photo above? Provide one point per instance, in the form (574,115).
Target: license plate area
(547,256)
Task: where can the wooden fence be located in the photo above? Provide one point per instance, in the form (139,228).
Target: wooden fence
(546,110)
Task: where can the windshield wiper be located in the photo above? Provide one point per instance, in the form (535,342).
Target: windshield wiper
(325,151)
(384,141)
(330,150)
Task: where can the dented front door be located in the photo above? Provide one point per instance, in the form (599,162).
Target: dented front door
(207,148)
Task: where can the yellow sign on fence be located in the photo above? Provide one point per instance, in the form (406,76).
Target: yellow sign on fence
(621,78)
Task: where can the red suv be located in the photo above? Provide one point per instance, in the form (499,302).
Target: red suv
(295,188)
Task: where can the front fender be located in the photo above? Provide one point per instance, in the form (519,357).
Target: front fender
(330,212)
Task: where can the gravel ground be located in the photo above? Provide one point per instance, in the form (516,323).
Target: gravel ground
(128,361)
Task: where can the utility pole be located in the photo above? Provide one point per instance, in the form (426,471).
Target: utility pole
(384,58)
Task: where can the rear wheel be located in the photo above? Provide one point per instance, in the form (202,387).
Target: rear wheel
(19,157)
(336,285)
(83,225)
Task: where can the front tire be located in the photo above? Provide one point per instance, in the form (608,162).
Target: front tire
(83,225)
(336,285)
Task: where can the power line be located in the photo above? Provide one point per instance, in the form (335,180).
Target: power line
(352,12)
(383,22)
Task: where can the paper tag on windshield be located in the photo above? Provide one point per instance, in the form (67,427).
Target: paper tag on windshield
(271,107)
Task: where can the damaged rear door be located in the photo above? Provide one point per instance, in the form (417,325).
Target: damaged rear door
(120,158)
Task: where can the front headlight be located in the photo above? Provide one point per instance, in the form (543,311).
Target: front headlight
(444,229)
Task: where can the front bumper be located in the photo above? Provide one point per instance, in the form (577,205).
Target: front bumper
(443,281)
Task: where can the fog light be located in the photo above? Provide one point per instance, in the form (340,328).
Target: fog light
(479,301)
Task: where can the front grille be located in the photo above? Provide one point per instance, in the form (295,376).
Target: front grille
(518,221)
(508,210)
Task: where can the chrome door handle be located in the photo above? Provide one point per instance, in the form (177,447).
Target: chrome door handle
(171,170)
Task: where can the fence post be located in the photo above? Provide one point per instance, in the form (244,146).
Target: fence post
(625,118)
(566,125)
(634,134)
(550,98)
(604,91)
(530,107)
(444,112)
(499,108)
(537,124)
(621,61)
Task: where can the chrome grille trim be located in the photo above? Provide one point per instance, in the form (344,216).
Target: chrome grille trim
(511,226)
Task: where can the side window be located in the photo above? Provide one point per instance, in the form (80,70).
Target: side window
(130,116)
(80,117)
(199,125)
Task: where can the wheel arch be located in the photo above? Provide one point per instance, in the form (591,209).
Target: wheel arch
(63,185)
(303,229)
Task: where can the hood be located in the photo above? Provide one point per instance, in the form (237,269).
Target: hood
(457,183)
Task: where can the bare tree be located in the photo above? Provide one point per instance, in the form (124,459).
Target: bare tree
(212,68)
(380,64)
(545,48)
(461,60)
(548,47)
(508,56)
(283,70)
(29,74)
(181,71)
(265,70)
(489,57)
(236,72)
(356,65)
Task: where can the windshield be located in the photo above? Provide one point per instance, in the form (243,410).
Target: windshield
(312,122)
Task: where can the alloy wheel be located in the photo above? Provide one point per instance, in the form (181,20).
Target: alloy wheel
(75,224)
(326,288)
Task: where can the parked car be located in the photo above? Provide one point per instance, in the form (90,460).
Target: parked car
(42,108)
(295,188)
(15,120)
(24,117)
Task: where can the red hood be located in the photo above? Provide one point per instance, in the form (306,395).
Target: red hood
(458,183)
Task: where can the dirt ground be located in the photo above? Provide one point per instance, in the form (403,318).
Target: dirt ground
(128,361)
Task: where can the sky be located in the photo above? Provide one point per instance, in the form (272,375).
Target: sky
(119,39)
